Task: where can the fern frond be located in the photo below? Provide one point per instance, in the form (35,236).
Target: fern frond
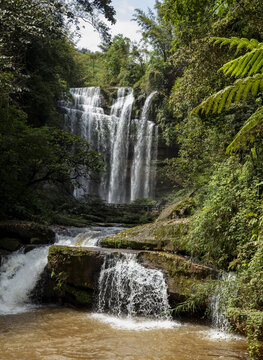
(233,93)
(250,126)
(248,64)
(240,43)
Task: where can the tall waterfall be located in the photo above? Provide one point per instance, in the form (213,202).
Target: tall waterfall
(126,287)
(129,146)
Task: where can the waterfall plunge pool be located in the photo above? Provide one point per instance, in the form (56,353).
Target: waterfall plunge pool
(64,333)
(54,333)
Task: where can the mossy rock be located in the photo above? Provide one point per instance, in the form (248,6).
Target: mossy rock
(178,210)
(70,220)
(183,276)
(167,236)
(74,266)
(25,230)
(10,244)
(36,241)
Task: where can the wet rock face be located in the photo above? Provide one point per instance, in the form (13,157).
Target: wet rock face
(23,232)
(78,267)
(76,271)
(182,275)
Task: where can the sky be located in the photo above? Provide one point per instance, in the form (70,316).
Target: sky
(124,13)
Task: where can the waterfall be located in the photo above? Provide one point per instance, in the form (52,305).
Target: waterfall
(120,147)
(126,287)
(140,173)
(219,299)
(19,274)
(130,164)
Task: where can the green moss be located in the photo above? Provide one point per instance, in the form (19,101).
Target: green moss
(83,297)
(70,220)
(127,244)
(66,251)
(167,236)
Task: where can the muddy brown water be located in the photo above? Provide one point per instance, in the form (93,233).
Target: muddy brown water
(64,334)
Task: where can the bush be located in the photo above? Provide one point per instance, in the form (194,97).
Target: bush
(228,215)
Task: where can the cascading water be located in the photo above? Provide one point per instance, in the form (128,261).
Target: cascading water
(130,163)
(20,272)
(217,302)
(140,173)
(126,287)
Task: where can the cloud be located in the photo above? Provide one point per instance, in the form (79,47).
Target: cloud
(129,29)
(124,12)
(90,39)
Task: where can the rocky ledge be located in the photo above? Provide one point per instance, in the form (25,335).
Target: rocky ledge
(166,235)
(15,234)
(74,272)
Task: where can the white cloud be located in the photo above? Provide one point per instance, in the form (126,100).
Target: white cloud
(129,29)
(124,12)
(90,39)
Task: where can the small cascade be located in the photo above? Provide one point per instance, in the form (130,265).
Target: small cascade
(129,146)
(18,276)
(126,287)
(217,302)
(20,271)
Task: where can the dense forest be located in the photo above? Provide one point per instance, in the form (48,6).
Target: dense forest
(205,58)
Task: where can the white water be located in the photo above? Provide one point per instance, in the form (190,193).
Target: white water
(129,146)
(126,287)
(18,276)
(141,164)
(218,305)
(20,272)
(132,323)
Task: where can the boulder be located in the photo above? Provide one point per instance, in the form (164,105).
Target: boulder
(166,235)
(180,209)
(9,244)
(183,275)
(24,231)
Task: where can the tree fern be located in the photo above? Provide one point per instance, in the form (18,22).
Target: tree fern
(240,43)
(250,127)
(250,65)
(233,93)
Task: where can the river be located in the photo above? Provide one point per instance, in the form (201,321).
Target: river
(60,333)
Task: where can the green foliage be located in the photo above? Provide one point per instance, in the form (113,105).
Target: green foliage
(32,156)
(123,62)
(155,31)
(228,214)
(249,64)
(201,145)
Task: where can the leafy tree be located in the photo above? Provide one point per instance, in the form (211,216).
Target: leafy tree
(155,31)
(34,156)
(37,65)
